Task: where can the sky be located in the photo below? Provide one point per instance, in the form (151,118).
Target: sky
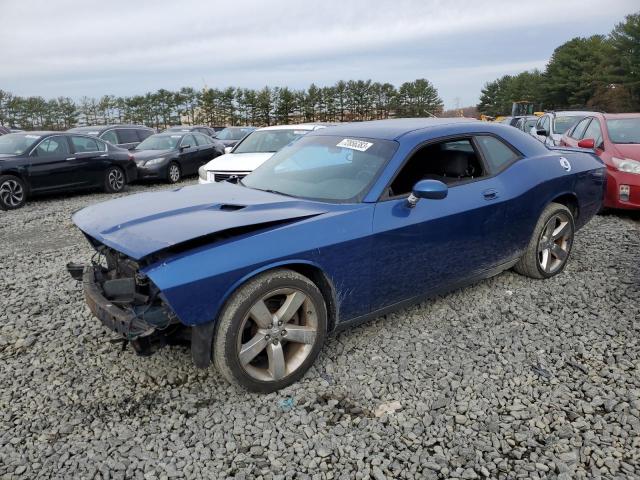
(128,47)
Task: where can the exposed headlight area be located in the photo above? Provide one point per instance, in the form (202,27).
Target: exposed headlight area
(626,165)
(154,161)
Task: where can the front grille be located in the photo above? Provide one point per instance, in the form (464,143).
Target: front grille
(224,176)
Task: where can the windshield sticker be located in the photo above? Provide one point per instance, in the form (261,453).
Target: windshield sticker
(92,133)
(300,132)
(176,136)
(32,136)
(353,144)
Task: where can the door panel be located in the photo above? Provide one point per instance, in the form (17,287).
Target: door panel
(437,243)
(189,156)
(51,165)
(91,159)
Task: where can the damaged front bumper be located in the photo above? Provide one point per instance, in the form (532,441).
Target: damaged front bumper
(126,323)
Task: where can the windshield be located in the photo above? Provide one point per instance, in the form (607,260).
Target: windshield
(261,141)
(17,143)
(324,168)
(160,142)
(563,123)
(234,133)
(624,130)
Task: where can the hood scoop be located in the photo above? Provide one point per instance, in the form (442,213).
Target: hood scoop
(228,207)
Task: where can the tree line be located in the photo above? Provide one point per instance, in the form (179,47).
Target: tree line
(345,101)
(601,72)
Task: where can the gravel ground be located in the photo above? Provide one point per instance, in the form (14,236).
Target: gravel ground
(510,378)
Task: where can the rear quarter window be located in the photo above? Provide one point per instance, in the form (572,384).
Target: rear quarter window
(127,135)
(496,153)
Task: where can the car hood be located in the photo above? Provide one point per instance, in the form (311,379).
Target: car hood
(7,156)
(149,154)
(142,224)
(628,150)
(238,162)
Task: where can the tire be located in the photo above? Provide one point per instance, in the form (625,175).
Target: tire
(13,192)
(550,245)
(174,174)
(275,359)
(114,180)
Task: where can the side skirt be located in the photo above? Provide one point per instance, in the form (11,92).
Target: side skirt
(422,297)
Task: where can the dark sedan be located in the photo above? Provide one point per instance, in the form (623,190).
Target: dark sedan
(123,136)
(171,155)
(42,162)
(232,135)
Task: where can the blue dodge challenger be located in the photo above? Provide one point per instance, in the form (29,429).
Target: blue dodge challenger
(346,224)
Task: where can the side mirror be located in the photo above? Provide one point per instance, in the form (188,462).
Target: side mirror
(431,189)
(542,132)
(587,143)
(228,149)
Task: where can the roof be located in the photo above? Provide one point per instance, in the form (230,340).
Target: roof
(301,126)
(389,129)
(572,113)
(98,128)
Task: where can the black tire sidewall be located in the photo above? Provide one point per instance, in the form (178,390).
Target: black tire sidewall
(266,283)
(4,178)
(543,221)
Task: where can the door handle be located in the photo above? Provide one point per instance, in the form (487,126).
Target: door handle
(70,158)
(104,155)
(490,194)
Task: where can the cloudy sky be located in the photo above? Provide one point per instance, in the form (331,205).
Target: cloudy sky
(125,47)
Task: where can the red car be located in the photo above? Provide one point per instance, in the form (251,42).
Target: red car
(615,138)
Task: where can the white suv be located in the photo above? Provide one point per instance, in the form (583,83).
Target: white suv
(252,151)
(552,125)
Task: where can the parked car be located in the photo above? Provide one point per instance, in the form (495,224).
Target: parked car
(4,130)
(232,135)
(551,126)
(526,123)
(346,224)
(615,138)
(35,163)
(252,151)
(193,128)
(172,155)
(123,136)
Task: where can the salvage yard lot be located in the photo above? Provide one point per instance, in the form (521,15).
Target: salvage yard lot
(510,377)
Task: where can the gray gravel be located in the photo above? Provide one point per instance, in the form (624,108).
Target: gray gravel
(511,378)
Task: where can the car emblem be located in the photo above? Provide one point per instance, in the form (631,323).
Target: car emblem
(565,164)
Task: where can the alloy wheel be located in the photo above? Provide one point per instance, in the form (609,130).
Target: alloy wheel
(116,179)
(277,334)
(11,193)
(174,173)
(555,242)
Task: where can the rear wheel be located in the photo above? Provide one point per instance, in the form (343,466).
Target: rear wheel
(114,180)
(550,245)
(173,173)
(271,331)
(13,193)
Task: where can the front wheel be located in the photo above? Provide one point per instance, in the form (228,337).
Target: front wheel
(114,180)
(270,331)
(550,244)
(173,173)
(13,193)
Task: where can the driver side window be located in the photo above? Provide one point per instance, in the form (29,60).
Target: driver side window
(188,140)
(451,162)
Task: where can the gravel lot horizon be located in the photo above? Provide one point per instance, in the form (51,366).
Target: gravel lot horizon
(508,378)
